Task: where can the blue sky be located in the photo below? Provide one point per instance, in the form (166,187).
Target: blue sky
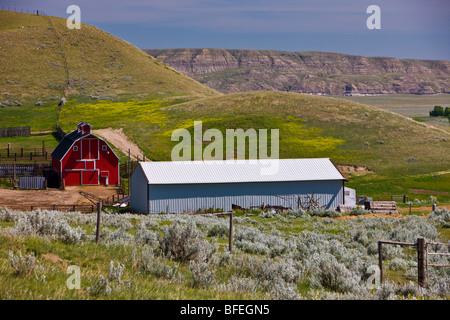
(417,29)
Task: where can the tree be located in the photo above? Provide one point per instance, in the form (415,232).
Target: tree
(438,111)
(447,112)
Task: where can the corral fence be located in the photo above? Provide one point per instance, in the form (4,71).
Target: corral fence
(108,201)
(84,208)
(13,173)
(14,131)
(24,169)
(397,198)
(128,168)
(400,198)
(422,257)
(428,253)
(25,154)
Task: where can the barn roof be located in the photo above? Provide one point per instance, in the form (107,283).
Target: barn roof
(67,142)
(232,171)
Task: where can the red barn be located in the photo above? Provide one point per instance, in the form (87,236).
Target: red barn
(82,158)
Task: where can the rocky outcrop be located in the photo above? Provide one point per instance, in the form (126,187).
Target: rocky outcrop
(229,71)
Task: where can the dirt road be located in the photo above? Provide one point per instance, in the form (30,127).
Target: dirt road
(120,141)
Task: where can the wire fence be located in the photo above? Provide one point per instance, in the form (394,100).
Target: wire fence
(22,10)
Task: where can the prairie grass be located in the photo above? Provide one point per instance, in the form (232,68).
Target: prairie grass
(137,270)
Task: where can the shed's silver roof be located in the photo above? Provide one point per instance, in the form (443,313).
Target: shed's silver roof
(232,171)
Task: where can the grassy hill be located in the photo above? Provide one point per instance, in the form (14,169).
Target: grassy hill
(42,60)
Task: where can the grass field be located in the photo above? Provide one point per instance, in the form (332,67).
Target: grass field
(294,255)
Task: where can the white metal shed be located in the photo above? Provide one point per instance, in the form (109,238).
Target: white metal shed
(186,186)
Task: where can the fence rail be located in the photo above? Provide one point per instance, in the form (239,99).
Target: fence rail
(25,154)
(435,254)
(419,244)
(24,169)
(84,208)
(397,198)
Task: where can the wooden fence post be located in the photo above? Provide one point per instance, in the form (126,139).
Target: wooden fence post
(97,232)
(230,240)
(421,261)
(14,175)
(380,260)
(129,172)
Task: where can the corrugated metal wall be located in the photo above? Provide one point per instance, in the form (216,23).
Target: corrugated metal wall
(177,198)
(32,183)
(139,187)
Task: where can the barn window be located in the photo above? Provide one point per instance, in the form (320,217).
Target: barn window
(104,148)
(75,148)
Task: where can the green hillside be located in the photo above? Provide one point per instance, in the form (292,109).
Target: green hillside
(42,60)
(310,126)
(401,153)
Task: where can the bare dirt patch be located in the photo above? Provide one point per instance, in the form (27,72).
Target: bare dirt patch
(426,208)
(349,169)
(70,196)
(52,257)
(120,141)
(372,215)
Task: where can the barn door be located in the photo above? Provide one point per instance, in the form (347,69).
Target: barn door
(72,178)
(90,177)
